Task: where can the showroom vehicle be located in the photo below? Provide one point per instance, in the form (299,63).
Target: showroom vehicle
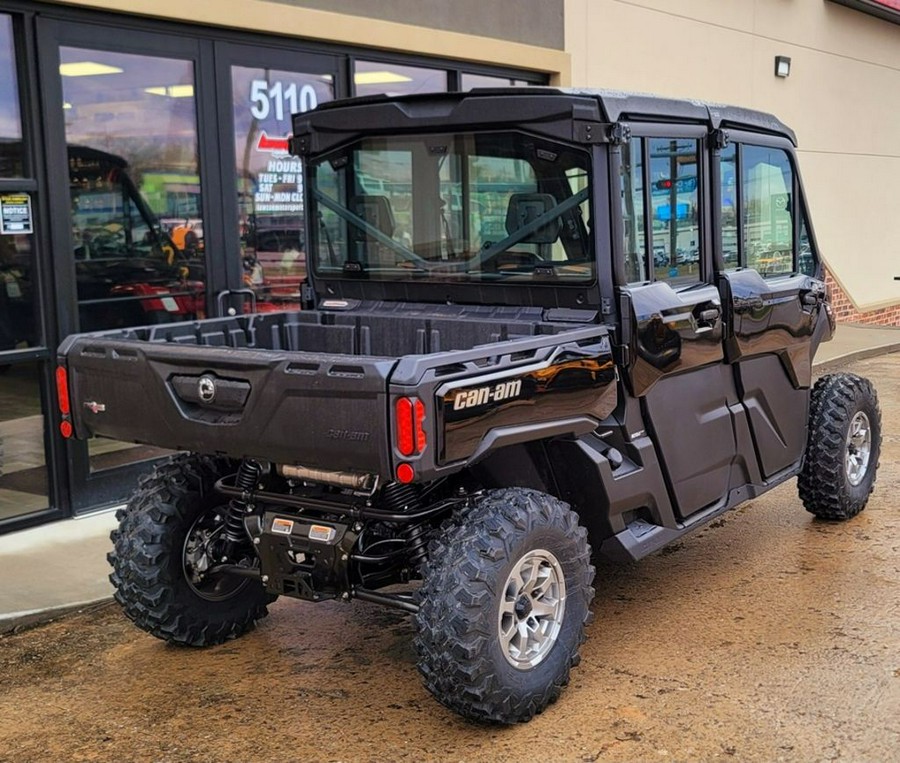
(128,267)
(493,379)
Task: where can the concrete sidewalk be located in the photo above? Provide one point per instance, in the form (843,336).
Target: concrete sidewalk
(54,568)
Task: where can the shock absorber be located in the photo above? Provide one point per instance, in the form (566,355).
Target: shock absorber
(400,498)
(246,480)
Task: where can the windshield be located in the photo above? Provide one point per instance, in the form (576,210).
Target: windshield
(482,207)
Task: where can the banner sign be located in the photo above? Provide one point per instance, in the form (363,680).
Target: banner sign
(889,10)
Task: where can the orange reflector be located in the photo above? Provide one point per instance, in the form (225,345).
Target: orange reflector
(405,473)
(62,390)
(65,429)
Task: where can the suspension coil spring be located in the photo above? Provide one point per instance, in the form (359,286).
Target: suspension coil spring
(246,480)
(401,498)
(416,537)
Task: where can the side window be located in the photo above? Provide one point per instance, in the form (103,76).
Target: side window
(660,209)
(675,230)
(631,184)
(767,183)
(807,259)
(729,206)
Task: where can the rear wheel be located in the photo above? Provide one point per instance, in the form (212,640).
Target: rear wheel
(504,604)
(843,447)
(165,545)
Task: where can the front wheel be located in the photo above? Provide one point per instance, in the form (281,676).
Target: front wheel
(503,606)
(163,551)
(843,447)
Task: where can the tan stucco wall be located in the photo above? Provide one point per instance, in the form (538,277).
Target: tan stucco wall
(842,98)
(278,18)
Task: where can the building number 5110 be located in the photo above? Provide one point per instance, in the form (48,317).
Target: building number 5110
(264,98)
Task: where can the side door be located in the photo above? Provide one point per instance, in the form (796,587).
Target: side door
(671,311)
(772,293)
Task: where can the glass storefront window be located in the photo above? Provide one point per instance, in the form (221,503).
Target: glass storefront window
(23,469)
(10,116)
(376,77)
(471,81)
(18,328)
(269,180)
(131,134)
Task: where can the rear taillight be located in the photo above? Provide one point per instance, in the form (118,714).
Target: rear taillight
(62,398)
(410,412)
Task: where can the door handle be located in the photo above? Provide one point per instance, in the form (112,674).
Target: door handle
(707,313)
(748,304)
(810,299)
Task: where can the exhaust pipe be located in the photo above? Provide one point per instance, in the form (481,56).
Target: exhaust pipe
(362,482)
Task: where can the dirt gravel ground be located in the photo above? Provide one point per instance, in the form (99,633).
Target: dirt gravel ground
(768,636)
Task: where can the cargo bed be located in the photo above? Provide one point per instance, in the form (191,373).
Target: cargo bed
(304,387)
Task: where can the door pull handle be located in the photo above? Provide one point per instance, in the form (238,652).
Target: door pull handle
(810,299)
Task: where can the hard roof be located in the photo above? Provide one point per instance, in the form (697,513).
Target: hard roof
(620,106)
(607,105)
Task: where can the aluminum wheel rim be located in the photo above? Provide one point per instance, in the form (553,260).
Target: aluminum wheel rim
(859,448)
(532,607)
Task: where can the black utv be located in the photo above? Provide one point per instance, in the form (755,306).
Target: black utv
(541,324)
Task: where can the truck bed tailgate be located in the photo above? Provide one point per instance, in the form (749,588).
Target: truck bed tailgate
(315,409)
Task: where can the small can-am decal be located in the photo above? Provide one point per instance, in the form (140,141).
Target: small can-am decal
(282,526)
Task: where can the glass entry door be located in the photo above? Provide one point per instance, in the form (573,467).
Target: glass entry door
(24,443)
(129,242)
(260,88)
(167,159)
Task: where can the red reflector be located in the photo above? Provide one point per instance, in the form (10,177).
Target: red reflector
(405,473)
(420,429)
(65,429)
(406,442)
(62,390)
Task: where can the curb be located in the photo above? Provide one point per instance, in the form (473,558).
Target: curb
(19,622)
(854,355)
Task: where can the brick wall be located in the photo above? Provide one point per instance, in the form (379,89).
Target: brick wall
(847,313)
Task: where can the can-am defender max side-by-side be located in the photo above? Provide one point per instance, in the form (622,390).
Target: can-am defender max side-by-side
(541,325)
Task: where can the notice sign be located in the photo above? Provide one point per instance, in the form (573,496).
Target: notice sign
(15,214)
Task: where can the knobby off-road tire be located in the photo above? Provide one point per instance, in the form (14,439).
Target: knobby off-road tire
(842,448)
(476,592)
(149,574)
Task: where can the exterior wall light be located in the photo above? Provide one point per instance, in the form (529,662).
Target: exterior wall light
(782,66)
